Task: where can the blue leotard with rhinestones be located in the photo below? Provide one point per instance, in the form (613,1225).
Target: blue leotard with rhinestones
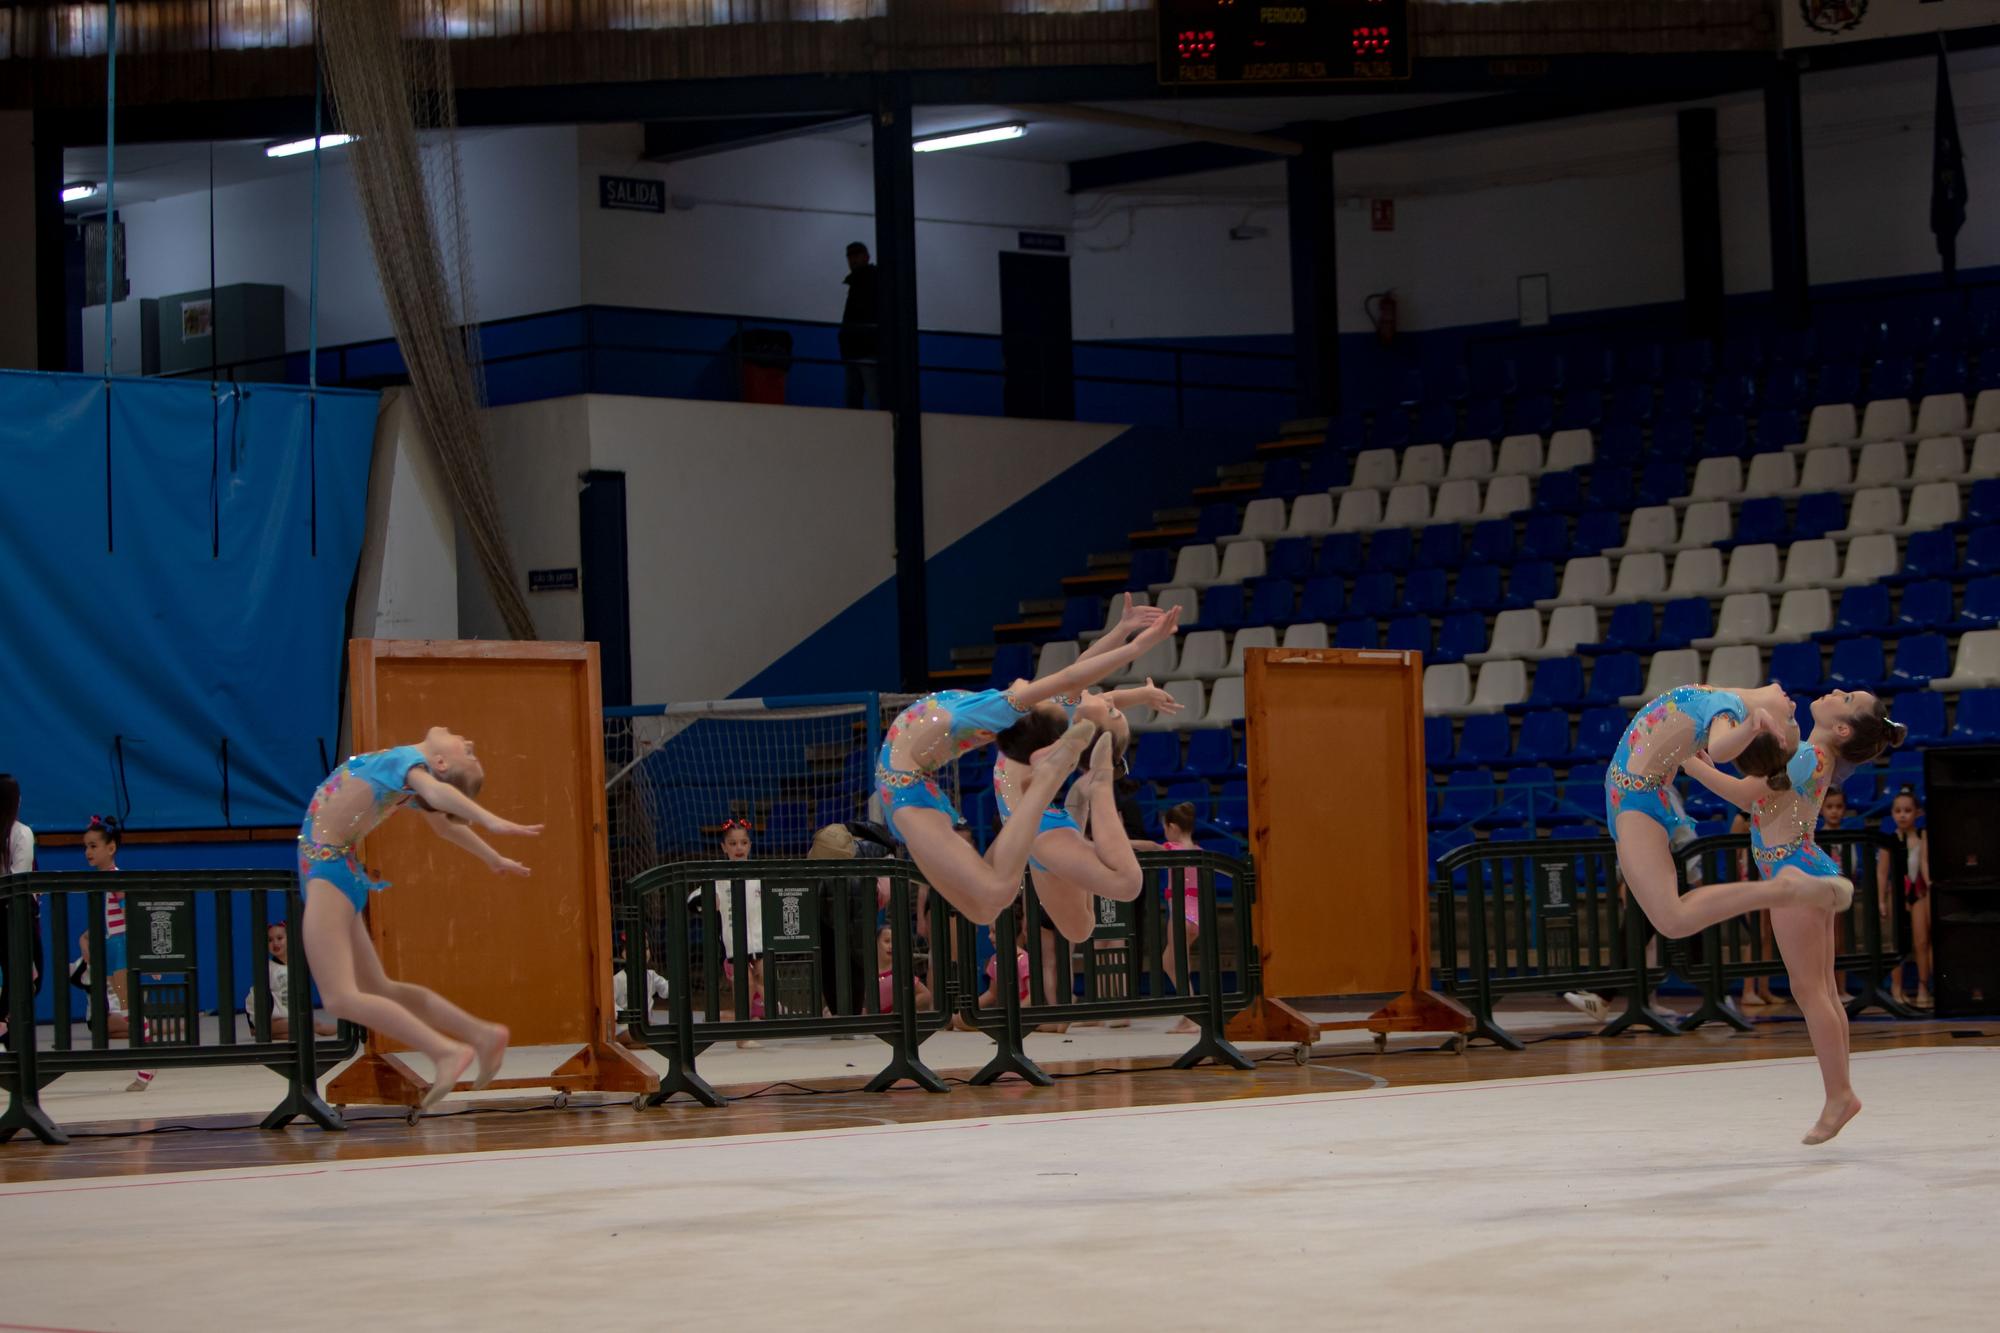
(1651,741)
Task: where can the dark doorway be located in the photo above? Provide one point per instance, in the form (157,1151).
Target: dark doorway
(1035,336)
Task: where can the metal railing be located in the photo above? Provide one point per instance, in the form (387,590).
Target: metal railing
(167,968)
(818,954)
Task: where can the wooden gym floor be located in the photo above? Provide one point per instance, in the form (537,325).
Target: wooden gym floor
(142,1147)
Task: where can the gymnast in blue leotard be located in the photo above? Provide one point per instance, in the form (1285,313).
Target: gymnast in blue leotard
(1849,728)
(1663,736)
(938,728)
(440,777)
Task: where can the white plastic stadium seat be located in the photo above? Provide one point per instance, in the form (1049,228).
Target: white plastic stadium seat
(1193,699)
(1878,509)
(1706,523)
(1933,505)
(1811,564)
(1667,670)
(1570,448)
(1186,599)
(1752,568)
(1457,502)
(1941,414)
(1739,667)
(1240,561)
(1940,458)
(1770,474)
(1470,458)
(1374,470)
(1886,419)
(1422,463)
(1447,687)
(1568,627)
(1831,423)
(1521,456)
(1263,520)
(1985,412)
(1869,559)
(1883,463)
(1803,613)
(1978,664)
(1640,576)
(1506,496)
(1306,634)
(1157,662)
(1263,636)
(1516,633)
(1203,654)
(1360,511)
(1225,703)
(1500,683)
(1697,573)
(1652,528)
(1196,566)
(1055,655)
(1745,618)
(1718,478)
(1311,515)
(1585,579)
(1409,506)
(1986,451)
(1114,611)
(1827,468)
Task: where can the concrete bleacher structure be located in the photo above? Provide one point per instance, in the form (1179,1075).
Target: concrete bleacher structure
(1820,509)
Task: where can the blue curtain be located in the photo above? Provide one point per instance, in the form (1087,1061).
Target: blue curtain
(175,569)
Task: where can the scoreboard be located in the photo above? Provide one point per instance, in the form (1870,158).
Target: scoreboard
(1211,42)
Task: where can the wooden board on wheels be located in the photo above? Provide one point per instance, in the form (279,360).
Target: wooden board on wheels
(1338,831)
(532,953)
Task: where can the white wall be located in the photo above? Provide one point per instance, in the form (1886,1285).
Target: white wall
(764,231)
(537,451)
(974,467)
(406,586)
(517,200)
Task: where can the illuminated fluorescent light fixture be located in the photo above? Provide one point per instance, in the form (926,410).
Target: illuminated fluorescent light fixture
(297,146)
(77,191)
(937,143)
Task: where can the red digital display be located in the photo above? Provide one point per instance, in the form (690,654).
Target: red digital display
(1371,43)
(1197,44)
(1215,42)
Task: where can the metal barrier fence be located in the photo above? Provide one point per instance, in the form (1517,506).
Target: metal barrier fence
(164,914)
(824,969)
(1549,916)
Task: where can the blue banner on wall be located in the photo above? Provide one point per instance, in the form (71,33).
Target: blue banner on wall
(173,607)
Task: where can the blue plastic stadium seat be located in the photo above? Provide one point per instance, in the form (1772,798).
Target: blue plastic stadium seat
(1389,548)
(1645,361)
(1582,409)
(1920,659)
(1533,414)
(1409,634)
(1348,434)
(1222,607)
(1613,677)
(1492,542)
(1373,594)
(1982,502)
(1477,589)
(1339,553)
(1355,634)
(1776,429)
(1558,683)
(1559,492)
(1944,372)
(1818,514)
(1784,392)
(1597,531)
(1682,400)
(1289,558)
(1630,628)
(1597,735)
(1685,619)
(1925,605)
(1860,788)
(1232,806)
(1158,754)
(1425,592)
(1194,793)
(1672,439)
(1691,358)
(1929,555)
(1544,737)
(1891,377)
(1978,720)
(1286,477)
(1211,753)
(1620,444)
(1467,796)
(1444,843)
(1440,546)
(1328,467)
(1460,633)
(1857,665)
(1982,552)
(1703,804)
(1150,565)
(1761,520)
(1723,435)
(1529,582)
(1483,420)
(1012,662)
(1492,377)
(1545,537)
(1392,430)
(1485,740)
(1743,351)
(1922,711)
(1982,605)
(1610,487)
(1437,423)
(1582,791)
(1661,481)
(1323,599)
(1734,393)
(1217,521)
(1081,615)
(1437,741)
(789,828)
(1540,369)
(1631,404)
(1529,794)
(1838,382)
(1862,610)
(836,810)
(1270,602)
(1796,666)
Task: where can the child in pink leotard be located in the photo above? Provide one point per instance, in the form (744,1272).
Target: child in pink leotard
(1177,827)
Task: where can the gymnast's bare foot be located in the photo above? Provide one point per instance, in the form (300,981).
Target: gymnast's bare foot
(491,1051)
(451,1067)
(1059,760)
(1833,1119)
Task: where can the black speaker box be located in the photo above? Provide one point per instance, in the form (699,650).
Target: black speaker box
(1962,834)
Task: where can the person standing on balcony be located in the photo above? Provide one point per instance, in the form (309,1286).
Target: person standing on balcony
(860,330)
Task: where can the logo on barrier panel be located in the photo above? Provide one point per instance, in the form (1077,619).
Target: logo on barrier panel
(1833,16)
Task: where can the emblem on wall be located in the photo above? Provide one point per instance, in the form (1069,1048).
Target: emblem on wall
(1833,16)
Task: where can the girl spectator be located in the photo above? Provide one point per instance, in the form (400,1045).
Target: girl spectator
(100,848)
(17,857)
(736,847)
(885,974)
(1177,827)
(1914,889)
(278,962)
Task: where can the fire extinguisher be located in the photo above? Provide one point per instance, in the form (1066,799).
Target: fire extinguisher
(1380,307)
